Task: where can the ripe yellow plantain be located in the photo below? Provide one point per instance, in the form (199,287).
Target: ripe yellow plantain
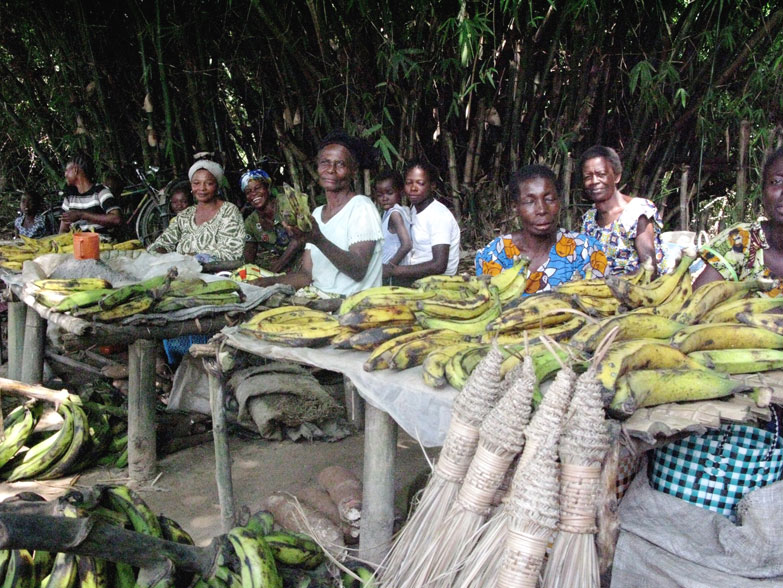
(642,388)
(725,336)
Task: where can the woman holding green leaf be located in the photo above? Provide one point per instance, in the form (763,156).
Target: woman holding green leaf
(343,248)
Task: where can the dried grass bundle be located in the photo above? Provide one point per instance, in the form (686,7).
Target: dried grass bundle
(585,442)
(500,441)
(482,566)
(471,406)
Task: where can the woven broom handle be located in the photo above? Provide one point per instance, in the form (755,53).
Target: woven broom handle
(458,450)
(579,487)
(484,477)
(522,560)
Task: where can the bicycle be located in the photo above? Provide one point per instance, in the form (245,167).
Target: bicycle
(151,215)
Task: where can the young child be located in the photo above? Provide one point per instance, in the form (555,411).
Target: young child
(396,220)
(181,198)
(30,222)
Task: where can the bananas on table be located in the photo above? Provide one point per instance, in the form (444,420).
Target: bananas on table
(95,299)
(13,256)
(669,343)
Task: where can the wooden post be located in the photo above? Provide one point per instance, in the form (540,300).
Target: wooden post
(354,404)
(568,169)
(34,340)
(142,456)
(742,165)
(217,401)
(16,319)
(380,448)
(685,220)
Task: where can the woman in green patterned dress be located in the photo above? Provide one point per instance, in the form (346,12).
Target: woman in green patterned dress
(212,229)
(748,250)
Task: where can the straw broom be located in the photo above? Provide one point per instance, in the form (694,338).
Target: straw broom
(481,567)
(583,446)
(500,440)
(471,406)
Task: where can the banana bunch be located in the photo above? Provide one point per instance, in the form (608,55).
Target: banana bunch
(294,208)
(595,297)
(293,326)
(256,555)
(13,256)
(193,292)
(88,436)
(410,349)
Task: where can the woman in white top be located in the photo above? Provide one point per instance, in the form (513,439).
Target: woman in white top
(434,230)
(343,251)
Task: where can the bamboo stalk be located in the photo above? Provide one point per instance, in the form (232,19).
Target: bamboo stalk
(33,391)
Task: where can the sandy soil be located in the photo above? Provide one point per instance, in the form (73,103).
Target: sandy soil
(186,489)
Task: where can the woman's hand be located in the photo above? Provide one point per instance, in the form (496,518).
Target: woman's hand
(313,236)
(389,270)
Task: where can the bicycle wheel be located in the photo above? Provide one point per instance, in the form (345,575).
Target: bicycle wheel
(151,222)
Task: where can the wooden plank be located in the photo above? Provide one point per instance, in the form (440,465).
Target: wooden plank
(217,401)
(33,391)
(16,317)
(380,450)
(34,340)
(142,455)
(107,334)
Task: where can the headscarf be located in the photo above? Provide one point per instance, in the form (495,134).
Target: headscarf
(211,166)
(254,174)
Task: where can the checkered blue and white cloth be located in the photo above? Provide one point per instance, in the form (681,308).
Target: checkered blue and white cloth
(716,469)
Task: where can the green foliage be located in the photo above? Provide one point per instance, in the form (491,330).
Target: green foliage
(511,81)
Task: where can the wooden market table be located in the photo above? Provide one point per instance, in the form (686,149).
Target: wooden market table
(391,399)
(27,337)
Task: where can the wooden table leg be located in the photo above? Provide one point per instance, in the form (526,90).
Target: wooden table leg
(142,456)
(354,404)
(380,449)
(16,319)
(217,401)
(34,340)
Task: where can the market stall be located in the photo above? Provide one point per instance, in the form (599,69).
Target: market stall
(142,331)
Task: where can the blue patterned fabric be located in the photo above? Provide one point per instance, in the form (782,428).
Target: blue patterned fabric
(573,256)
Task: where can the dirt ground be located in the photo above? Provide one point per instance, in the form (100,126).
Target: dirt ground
(186,491)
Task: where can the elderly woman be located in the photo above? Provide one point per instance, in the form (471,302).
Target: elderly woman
(628,228)
(268,243)
(556,255)
(213,229)
(754,249)
(343,251)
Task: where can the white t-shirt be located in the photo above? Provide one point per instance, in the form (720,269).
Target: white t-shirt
(357,221)
(435,225)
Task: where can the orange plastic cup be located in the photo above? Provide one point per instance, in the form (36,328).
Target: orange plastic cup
(86,245)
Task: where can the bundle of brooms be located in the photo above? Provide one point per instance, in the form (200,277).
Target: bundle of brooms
(471,406)
(482,567)
(583,446)
(501,439)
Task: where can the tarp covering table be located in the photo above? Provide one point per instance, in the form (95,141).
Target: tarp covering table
(423,412)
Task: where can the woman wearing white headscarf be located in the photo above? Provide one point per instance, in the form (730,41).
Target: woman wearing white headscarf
(212,229)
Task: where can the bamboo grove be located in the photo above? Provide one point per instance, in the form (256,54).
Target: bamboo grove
(479,87)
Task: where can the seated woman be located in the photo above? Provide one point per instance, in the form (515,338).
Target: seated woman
(435,234)
(628,228)
(556,255)
(267,243)
(213,229)
(396,219)
(343,251)
(747,250)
